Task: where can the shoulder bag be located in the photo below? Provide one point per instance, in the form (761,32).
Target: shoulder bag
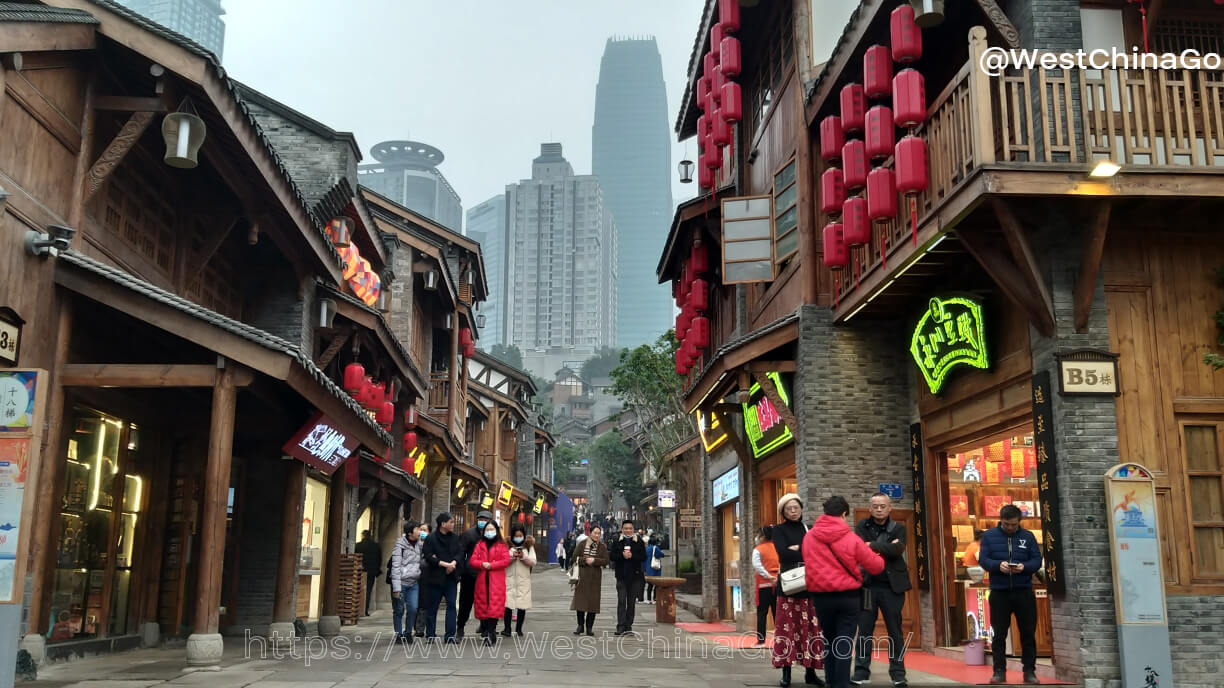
(794,581)
(863,590)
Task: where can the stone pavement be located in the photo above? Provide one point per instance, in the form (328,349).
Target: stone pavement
(549,656)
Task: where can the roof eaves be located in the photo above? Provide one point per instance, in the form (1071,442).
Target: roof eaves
(42,14)
(841,43)
(382,323)
(748,339)
(688,101)
(307,122)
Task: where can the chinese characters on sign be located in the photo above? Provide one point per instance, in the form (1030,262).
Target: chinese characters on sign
(321,444)
(920,507)
(21,404)
(1047,482)
(10,335)
(1131,499)
(762,423)
(667,499)
(950,333)
(1088,372)
(726,487)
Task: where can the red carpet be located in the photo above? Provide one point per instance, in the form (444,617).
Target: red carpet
(706,627)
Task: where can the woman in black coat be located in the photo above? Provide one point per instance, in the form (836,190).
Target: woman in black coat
(796,632)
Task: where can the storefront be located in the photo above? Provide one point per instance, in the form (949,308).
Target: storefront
(728,514)
(314,540)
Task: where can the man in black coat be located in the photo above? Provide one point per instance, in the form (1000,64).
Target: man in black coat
(886,591)
(467,585)
(442,555)
(371,563)
(625,555)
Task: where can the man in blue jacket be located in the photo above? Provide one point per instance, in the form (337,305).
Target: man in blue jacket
(1012,555)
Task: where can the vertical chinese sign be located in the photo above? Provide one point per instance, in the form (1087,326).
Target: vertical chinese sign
(1047,482)
(22,401)
(920,508)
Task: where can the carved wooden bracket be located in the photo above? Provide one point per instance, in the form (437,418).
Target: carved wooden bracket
(1090,266)
(1000,23)
(332,349)
(115,152)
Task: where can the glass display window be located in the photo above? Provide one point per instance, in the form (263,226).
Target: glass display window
(985,477)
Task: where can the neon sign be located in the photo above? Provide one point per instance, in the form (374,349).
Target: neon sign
(504,494)
(711,436)
(762,422)
(949,334)
(321,444)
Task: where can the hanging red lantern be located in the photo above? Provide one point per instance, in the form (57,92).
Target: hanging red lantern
(853,107)
(711,156)
(378,393)
(522,517)
(730,59)
(836,253)
(386,414)
(832,191)
(703,126)
(832,138)
(406,465)
(880,133)
(854,162)
(911,156)
(705,177)
(856,228)
(729,15)
(701,332)
(354,378)
(717,81)
(732,102)
(909,98)
(465,336)
(881,195)
(681,369)
(699,297)
(703,94)
(469,350)
(906,36)
(716,37)
(410,441)
(682,323)
(710,66)
(722,130)
(877,72)
(699,258)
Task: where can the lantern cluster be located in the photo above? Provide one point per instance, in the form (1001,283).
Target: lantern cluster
(718,97)
(909,110)
(467,342)
(364,282)
(409,440)
(692,293)
(371,395)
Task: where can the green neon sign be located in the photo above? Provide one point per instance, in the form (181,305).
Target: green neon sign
(762,423)
(950,333)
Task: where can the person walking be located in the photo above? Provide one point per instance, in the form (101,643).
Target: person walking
(1012,555)
(442,554)
(765,570)
(570,542)
(467,581)
(489,560)
(590,556)
(559,551)
(518,578)
(653,566)
(885,593)
(796,632)
(419,624)
(627,554)
(833,554)
(371,563)
(405,579)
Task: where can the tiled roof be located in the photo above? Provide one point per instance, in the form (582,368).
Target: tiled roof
(235,327)
(703,31)
(749,338)
(842,42)
(399,346)
(21,12)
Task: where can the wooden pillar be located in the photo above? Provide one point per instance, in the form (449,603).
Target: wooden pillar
(216,490)
(335,542)
(285,609)
(809,263)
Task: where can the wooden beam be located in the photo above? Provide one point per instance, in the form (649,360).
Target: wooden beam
(130,104)
(771,367)
(1022,253)
(733,438)
(40,108)
(147,375)
(115,152)
(38,37)
(334,533)
(208,251)
(999,22)
(1090,266)
(771,393)
(1153,13)
(1006,276)
(1051,179)
(332,349)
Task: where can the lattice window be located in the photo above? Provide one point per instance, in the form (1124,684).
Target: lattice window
(140,218)
(216,286)
(771,64)
(1175,34)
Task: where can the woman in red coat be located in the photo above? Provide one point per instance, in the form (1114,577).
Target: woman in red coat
(489,560)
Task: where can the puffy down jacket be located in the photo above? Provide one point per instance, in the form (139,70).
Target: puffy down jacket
(832,554)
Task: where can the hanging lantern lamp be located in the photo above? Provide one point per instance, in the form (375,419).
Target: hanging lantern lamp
(881,195)
(856,228)
(909,98)
(853,108)
(854,162)
(730,59)
(729,15)
(877,72)
(880,133)
(836,253)
(832,191)
(732,104)
(832,138)
(906,36)
(183,132)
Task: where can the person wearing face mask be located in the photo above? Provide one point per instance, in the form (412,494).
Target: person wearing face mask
(489,560)
(518,578)
(467,582)
(406,576)
(442,554)
(419,625)
(590,556)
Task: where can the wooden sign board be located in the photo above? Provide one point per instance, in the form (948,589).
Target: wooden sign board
(1088,372)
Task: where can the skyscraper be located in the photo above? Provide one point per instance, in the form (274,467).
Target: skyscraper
(407,173)
(631,157)
(561,265)
(486,223)
(199,20)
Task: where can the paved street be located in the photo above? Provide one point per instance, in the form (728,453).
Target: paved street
(549,656)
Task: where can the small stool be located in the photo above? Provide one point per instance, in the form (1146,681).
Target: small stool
(665,597)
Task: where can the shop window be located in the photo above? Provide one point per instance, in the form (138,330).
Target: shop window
(1205,477)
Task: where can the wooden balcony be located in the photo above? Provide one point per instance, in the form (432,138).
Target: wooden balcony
(1035,132)
(440,404)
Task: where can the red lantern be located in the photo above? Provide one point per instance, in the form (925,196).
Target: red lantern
(716,37)
(710,64)
(909,98)
(877,72)
(912,177)
(836,253)
(831,139)
(906,36)
(730,59)
(406,465)
(699,259)
(469,350)
(465,337)
(386,414)
(704,84)
(832,191)
(853,107)
(410,441)
(880,133)
(717,81)
(701,332)
(722,130)
(378,394)
(856,229)
(682,323)
(705,177)
(366,393)
(703,124)
(711,156)
(729,15)
(854,160)
(522,517)
(881,195)
(699,297)
(732,102)
(354,378)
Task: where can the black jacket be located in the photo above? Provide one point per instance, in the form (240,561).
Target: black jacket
(631,568)
(880,539)
(440,547)
(371,555)
(468,541)
(786,534)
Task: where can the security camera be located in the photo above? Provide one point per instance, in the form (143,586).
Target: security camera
(57,238)
(62,236)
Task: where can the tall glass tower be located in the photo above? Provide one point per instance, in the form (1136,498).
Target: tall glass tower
(631,157)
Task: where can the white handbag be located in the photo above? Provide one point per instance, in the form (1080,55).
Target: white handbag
(793,581)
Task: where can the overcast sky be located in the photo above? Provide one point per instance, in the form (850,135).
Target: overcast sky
(486,81)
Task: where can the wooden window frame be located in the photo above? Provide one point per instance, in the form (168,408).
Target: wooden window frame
(1216,422)
(780,260)
(772,243)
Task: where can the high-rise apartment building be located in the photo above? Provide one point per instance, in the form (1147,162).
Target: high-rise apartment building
(199,20)
(407,173)
(486,223)
(631,156)
(561,265)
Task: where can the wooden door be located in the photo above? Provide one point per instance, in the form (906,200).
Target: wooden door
(911,614)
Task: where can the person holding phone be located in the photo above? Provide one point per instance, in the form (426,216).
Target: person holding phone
(1014,554)
(518,578)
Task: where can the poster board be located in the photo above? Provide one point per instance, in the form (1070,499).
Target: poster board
(23,403)
(1134,542)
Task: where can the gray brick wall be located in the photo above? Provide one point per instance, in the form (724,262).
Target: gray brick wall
(259,545)
(524,463)
(1047,24)
(400,257)
(315,163)
(1196,624)
(439,495)
(285,309)
(708,534)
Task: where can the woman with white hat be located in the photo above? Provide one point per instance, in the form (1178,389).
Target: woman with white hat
(797,638)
